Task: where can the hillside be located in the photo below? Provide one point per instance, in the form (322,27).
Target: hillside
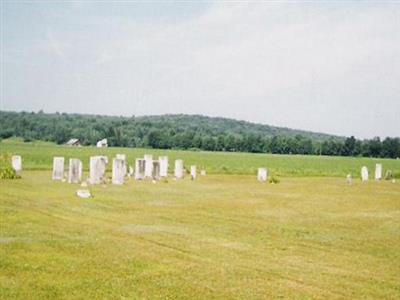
(186,132)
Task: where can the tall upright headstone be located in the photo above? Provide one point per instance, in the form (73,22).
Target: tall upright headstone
(262,174)
(16,163)
(378,171)
(118,171)
(58,168)
(178,172)
(156,170)
(98,166)
(139,168)
(75,170)
(364,173)
(148,167)
(193,172)
(123,157)
(163,166)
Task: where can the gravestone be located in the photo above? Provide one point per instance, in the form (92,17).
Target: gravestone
(364,173)
(16,163)
(156,170)
(389,175)
(193,172)
(58,168)
(178,172)
(262,174)
(98,165)
(163,166)
(85,194)
(139,168)
(74,170)
(378,171)
(123,157)
(349,179)
(203,173)
(118,171)
(148,167)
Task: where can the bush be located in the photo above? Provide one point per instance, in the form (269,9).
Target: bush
(6,170)
(273,180)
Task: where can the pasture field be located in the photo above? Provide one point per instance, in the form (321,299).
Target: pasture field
(39,156)
(223,236)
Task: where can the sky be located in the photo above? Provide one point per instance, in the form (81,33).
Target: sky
(326,66)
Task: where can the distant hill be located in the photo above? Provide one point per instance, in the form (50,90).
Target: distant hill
(186,132)
(219,125)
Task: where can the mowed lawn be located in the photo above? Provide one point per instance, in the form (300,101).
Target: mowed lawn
(39,156)
(221,236)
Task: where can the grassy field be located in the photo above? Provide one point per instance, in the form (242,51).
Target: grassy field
(39,156)
(219,237)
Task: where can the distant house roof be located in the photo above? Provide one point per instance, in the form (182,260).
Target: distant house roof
(102,143)
(73,142)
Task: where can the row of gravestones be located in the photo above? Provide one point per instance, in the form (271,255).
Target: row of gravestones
(144,168)
(262,174)
(378,173)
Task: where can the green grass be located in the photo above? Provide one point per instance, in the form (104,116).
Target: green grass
(226,237)
(219,237)
(39,156)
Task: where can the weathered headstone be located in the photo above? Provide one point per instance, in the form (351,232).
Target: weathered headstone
(163,166)
(193,172)
(16,163)
(378,171)
(203,173)
(156,170)
(118,171)
(148,167)
(178,172)
(123,157)
(262,174)
(349,179)
(139,169)
(389,175)
(58,168)
(83,194)
(364,173)
(74,170)
(98,165)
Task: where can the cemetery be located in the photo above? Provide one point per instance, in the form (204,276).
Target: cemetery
(147,214)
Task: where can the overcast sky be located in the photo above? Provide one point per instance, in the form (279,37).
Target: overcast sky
(320,66)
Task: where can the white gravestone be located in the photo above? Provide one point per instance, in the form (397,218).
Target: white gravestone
(193,172)
(148,166)
(74,170)
(98,165)
(16,162)
(378,171)
(178,172)
(139,168)
(123,157)
(349,179)
(58,168)
(156,170)
(118,171)
(203,173)
(364,173)
(163,166)
(262,174)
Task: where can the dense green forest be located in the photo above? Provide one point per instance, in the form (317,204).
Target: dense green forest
(187,132)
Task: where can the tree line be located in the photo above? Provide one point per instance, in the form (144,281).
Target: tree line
(188,132)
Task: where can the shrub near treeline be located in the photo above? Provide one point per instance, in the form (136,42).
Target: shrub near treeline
(6,169)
